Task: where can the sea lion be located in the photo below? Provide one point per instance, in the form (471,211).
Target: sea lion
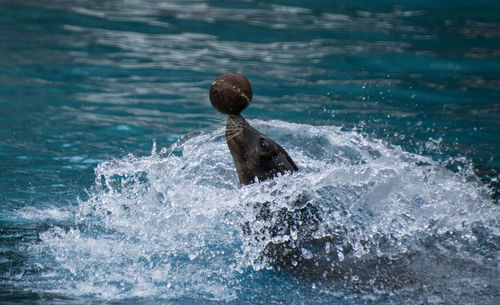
(255,155)
(292,236)
(257,158)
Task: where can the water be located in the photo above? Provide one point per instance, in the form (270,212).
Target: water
(390,111)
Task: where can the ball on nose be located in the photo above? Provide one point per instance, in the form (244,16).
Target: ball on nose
(231,93)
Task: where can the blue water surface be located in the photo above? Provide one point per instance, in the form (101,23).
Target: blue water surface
(391,111)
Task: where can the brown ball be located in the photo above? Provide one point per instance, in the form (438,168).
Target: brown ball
(231,93)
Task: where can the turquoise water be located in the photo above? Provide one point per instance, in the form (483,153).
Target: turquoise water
(390,110)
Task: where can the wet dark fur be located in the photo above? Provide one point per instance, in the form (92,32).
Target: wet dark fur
(255,155)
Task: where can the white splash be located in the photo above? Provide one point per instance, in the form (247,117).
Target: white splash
(169,225)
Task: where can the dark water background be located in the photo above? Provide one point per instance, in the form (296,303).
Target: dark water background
(85,82)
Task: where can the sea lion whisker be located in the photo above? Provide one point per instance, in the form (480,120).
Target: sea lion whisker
(221,133)
(234,130)
(231,136)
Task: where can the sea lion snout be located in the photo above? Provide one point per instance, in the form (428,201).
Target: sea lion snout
(234,126)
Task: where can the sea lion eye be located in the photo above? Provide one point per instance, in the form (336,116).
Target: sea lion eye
(264,144)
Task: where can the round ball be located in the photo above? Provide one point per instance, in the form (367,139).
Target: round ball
(231,93)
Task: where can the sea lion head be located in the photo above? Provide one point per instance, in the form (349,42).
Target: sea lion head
(255,155)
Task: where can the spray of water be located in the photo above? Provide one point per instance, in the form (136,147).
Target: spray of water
(371,217)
